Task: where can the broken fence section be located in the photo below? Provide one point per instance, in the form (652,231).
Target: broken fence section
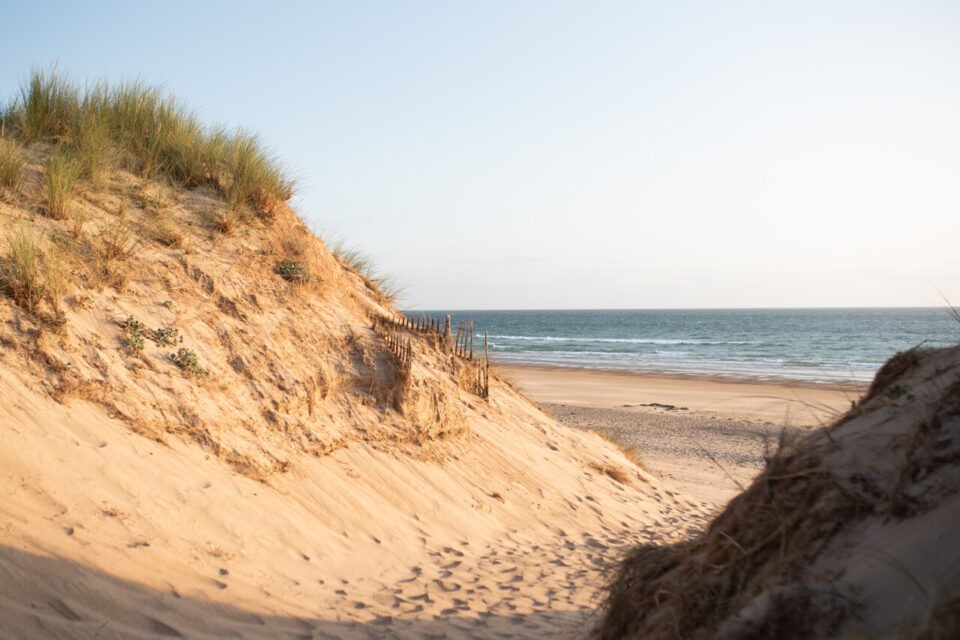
(395,331)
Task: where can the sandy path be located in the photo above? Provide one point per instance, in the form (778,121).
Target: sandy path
(512,534)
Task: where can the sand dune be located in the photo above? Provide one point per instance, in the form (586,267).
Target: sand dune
(849,531)
(317,473)
(106,530)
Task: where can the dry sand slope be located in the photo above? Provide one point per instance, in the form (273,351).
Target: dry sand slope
(107,532)
(311,485)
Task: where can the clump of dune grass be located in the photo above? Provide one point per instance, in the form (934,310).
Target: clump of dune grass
(629,451)
(255,180)
(91,140)
(63,173)
(28,274)
(12,166)
(149,133)
(45,108)
(118,242)
(361,264)
(163,231)
(221,219)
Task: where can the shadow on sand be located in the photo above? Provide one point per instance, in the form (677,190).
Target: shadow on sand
(46,597)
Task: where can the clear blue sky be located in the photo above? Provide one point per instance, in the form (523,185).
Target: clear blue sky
(577,154)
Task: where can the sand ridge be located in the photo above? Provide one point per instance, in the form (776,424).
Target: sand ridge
(514,534)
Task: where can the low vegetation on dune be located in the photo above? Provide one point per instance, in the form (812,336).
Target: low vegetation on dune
(138,128)
(121,215)
(848,533)
(67,152)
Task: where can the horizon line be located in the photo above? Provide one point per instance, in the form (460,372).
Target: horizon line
(810,308)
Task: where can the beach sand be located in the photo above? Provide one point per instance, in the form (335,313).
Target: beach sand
(707,436)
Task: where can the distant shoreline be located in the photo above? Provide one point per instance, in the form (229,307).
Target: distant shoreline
(825,347)
(732,378)
(777,401)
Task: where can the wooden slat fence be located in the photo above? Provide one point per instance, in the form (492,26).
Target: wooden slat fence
(396,329)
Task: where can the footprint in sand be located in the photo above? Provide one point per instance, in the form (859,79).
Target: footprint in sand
(61,607)
(425,597)
(453,551)
(447,587)
(163,629)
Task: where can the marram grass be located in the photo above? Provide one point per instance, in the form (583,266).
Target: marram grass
(27,273)
(150,133)
(63,173)
(12,166)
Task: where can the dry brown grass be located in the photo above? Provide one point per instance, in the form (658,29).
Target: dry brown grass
(629,451)
(768,542)
(164,231)
(31,272)
(774,530)
(616,473)
(63,176)
(12,167)
(223,220)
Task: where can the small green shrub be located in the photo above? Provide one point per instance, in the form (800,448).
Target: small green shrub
(63,172)
(133,331)
(898,391)
(292,271)
(166,336)
(12,166)
(187,360)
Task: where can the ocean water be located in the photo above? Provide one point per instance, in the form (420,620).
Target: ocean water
(826,345)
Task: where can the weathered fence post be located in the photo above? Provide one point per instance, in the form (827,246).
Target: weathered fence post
(471,339)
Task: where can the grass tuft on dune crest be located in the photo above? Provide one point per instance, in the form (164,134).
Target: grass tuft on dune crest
(150,133)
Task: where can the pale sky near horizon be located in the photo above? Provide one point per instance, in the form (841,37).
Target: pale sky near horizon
(576,154)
